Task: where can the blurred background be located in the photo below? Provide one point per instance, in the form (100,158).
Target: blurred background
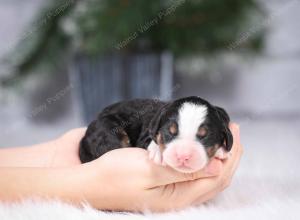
(61,62)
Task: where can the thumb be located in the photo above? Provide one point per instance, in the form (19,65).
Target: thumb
(164,175)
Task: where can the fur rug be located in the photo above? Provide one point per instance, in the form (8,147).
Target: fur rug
(266,186)
(242,201)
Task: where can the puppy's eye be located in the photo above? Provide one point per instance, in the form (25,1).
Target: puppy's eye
(173,129)
(202,132)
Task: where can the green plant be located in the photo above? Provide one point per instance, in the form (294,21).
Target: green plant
(104,26)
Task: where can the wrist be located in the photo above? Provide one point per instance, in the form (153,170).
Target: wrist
(92,186)
(99,188)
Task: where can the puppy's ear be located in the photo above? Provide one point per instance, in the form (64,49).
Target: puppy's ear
(225,119)
(222,114)
(156,121)
(228,139)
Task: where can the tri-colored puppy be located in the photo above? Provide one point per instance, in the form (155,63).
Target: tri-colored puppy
(183,134)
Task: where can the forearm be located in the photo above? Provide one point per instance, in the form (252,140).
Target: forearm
(20,183)
(41,155)
(56,153)
(61,152)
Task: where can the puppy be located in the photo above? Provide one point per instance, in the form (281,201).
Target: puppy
(183,134)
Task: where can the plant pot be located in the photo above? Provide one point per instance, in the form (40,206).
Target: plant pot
(103,80)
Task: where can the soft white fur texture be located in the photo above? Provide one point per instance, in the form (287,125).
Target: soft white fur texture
(190,117)
(266,186)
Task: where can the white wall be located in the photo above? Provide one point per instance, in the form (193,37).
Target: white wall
(269,83)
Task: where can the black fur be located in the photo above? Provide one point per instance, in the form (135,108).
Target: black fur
(136,122)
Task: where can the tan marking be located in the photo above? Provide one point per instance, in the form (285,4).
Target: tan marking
(125,142)
(202,132)
(173,129)
(212,150)
(160,143)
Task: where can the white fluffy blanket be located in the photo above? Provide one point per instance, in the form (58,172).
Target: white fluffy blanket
(267,186)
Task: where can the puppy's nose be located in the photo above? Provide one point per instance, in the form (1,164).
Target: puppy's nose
(183,159)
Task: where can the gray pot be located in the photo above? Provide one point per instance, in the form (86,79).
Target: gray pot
(100,81)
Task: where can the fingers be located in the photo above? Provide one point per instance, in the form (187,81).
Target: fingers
(164,175)
(205,197)
(213,168)
(232,163)
(183,194)
(212,186)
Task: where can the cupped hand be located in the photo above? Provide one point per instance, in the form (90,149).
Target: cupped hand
(124,179)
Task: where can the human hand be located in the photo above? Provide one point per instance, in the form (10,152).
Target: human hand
(124,179)
(67,148)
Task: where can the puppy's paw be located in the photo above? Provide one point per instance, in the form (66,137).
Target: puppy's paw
(154,153)
(222,154)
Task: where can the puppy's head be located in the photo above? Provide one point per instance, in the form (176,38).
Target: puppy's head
(189,131)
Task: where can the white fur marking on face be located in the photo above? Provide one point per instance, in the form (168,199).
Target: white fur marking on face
(221,154)
(191,116)
(154,153)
